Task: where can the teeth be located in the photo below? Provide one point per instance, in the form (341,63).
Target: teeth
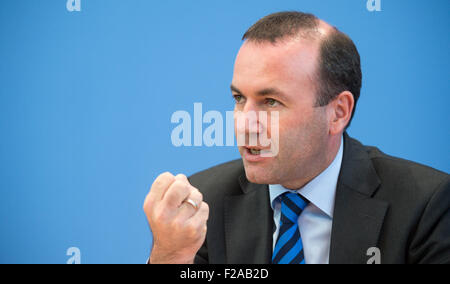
(255,152)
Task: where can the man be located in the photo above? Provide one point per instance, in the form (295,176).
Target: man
(324,197)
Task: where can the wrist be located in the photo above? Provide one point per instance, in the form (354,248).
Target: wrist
(157,257)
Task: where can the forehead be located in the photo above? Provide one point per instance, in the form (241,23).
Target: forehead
(292,62)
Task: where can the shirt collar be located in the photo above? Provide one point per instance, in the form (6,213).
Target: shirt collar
(320,191)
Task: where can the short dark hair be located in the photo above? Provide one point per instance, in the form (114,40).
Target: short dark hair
(339,64)
(281,25)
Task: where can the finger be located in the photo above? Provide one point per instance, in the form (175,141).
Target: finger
(186,209)
(203,212)
(181,177)
(200,218)
(176,194)
(161,185)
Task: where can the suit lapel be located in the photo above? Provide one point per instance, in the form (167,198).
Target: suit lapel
(249,225)
(358,217)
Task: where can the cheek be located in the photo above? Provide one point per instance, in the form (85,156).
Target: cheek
(283,122)
(291,126)
(300,132)
(289,136)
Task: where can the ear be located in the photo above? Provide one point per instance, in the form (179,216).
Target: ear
(340,111)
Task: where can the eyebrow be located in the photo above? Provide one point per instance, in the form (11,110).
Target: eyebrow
(263,92)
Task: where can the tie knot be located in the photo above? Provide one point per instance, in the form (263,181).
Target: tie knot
(292,205)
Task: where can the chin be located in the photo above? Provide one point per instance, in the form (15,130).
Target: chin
(259,175)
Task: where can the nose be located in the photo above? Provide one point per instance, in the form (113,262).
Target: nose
(247,120)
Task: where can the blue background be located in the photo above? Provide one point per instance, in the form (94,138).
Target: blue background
(87,97)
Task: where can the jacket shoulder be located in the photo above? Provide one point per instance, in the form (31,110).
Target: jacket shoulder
(402,173)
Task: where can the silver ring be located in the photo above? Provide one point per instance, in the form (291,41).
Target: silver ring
(192,203)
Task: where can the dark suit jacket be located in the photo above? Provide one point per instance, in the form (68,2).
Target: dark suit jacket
(398,206)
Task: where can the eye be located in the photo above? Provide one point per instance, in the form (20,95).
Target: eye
(238,98)
(272,102)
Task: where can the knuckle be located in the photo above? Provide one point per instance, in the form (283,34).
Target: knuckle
(166,175)
(205,207)
(197,196)
(181,177)
(147,207)
(200,195)
(156,183)
(162,179)
(195,191)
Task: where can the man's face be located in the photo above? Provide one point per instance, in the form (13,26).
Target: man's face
(281,78)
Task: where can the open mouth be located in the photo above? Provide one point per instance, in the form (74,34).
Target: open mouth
(255,150)
(257,154)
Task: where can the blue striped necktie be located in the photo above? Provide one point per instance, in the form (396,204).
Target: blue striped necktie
(289,247)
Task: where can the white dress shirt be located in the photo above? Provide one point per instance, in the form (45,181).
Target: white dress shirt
(316,220)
